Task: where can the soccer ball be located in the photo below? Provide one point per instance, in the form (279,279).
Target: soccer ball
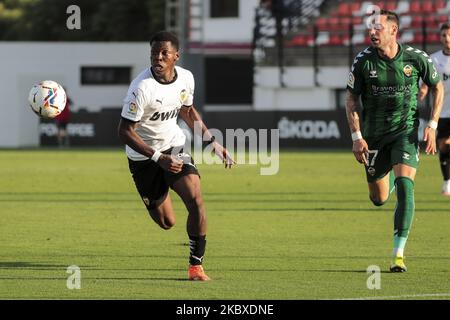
(47,99)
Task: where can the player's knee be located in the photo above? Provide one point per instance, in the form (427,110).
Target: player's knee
(443,146)
(166,223)
(194,203)
(377,201)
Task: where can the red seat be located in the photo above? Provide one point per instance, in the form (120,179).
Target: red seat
(344,9)
(336,40)
(344,23)
(418,37)
(427,6)
(333,21)
(440,4)
(391,5)
(442,19)
(298,40)
(431,22)
(414,7)
(322,24)
(433,38)
(416,22)
(355,7)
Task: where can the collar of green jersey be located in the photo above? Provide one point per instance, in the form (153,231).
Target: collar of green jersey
(399,52)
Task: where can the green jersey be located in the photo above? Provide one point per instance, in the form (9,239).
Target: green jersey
(389,88)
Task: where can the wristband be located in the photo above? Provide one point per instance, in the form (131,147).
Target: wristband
(356,135)
(156,155)
(433,124)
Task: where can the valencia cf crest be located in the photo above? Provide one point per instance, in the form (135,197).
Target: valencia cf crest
(407,70)
(184,95)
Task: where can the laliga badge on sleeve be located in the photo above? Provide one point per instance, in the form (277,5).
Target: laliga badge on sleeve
(351,80)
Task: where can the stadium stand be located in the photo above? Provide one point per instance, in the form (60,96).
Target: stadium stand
(342,23)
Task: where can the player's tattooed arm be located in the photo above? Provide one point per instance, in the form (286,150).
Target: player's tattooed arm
(360,148)
(352,106)
(194,121)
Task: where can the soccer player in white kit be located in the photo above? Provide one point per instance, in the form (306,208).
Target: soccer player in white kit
(154,144)
(441,60)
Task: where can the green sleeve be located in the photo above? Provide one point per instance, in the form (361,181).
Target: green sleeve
(428,71)
(355,81)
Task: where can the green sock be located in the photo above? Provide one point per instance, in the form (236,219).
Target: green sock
(404,213)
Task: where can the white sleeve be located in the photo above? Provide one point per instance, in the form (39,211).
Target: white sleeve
(133,105)
(191,87)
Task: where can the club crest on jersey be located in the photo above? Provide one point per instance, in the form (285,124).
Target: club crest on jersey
(407,70)
(371,171)
(373,74)
(184,95)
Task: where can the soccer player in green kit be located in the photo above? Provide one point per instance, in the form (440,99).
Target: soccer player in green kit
(386,77)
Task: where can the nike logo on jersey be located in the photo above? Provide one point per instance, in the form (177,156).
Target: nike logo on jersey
(165,115)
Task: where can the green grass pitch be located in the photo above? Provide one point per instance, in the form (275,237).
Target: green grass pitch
(308,232)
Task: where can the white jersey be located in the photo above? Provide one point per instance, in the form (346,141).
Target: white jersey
(155,106)
(442,63)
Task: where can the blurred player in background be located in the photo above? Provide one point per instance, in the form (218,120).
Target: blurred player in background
(386,77)
(154,144)
(441,60)
(62,120)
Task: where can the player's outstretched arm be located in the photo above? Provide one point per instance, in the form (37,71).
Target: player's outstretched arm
(360,148)
(429,134)
(128,135)
(192,118)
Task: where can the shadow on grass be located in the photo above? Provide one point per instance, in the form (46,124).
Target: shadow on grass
(29,265)
(342,271)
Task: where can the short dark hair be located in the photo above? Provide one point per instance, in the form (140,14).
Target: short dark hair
(390,15)
(445,26)
(165,36)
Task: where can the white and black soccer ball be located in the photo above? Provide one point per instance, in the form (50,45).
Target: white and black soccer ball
(47,99)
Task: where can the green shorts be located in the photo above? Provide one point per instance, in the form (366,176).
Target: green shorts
(384,154)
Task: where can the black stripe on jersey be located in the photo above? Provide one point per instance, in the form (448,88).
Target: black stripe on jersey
(392,79)
(126,119)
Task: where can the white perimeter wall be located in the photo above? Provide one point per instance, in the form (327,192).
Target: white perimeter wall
(300,92)
(232,30)
(23,64)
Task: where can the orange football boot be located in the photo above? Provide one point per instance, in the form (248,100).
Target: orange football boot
(196,273)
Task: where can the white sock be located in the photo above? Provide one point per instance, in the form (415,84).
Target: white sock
(397,252)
